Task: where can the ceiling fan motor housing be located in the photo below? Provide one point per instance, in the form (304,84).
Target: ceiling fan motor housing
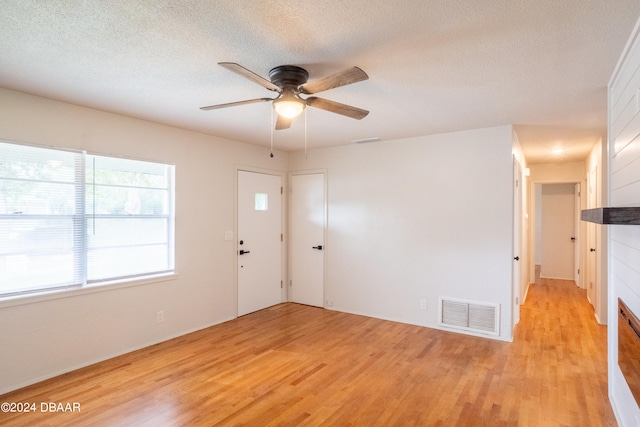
(287,76)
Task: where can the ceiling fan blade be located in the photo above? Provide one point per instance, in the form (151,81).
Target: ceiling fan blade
(283,123)
(233,104)
(336,107)
(342,78)
(248,74)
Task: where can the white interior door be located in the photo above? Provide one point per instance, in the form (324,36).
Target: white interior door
(517,234)
(577,242)
(591,239)
(307,247)
(259,241)
(557,230)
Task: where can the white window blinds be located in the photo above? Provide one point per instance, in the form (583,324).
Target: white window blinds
(68,219)
(40,218)
(129,218)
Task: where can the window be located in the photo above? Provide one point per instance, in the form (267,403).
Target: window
(68,219)
(262,202)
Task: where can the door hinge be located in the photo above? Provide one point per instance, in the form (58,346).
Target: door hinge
(281,190)
(281,284)
(281,237)
(578,271)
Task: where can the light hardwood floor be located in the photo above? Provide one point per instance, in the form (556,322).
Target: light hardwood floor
(297,365)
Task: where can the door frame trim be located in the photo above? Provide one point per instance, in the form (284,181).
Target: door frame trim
(325,236)
(283,224)
(532,223)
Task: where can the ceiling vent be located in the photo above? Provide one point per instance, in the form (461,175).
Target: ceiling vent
(366,140)
(470,316)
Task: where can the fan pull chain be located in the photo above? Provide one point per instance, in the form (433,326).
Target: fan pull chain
(271,125)
(305,134)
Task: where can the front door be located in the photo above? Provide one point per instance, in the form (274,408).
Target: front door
(307,246)
(259,241)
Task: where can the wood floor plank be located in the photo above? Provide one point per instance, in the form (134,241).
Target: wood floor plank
(296,365)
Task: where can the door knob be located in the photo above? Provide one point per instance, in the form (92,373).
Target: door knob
(517,258)
(242,252)
(319,247)
(592,249)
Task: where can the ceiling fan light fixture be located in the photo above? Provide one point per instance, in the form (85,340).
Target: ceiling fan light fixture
(289,106)
(290,81)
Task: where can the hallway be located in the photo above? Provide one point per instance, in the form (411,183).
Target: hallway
(563,351)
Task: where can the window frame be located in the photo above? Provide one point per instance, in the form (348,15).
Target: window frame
(82,284)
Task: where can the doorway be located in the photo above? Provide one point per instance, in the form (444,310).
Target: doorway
(259,244)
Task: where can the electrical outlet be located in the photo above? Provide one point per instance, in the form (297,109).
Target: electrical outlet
(160,316)
(423,304)
(329,303)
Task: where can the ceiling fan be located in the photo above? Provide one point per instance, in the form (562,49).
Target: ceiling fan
(290,81)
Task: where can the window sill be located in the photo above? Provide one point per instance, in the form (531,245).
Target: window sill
(88,289)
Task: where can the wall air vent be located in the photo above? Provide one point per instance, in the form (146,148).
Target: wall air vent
(469,315)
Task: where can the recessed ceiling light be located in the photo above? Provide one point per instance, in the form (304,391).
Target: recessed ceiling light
(558,150)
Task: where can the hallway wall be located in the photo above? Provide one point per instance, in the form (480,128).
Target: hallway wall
(624,241)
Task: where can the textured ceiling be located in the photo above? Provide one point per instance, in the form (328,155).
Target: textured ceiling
(434,66)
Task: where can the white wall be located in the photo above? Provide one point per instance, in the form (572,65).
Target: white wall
(624,242)
(419,218)
(42,339)
(554,173)
(538,224)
